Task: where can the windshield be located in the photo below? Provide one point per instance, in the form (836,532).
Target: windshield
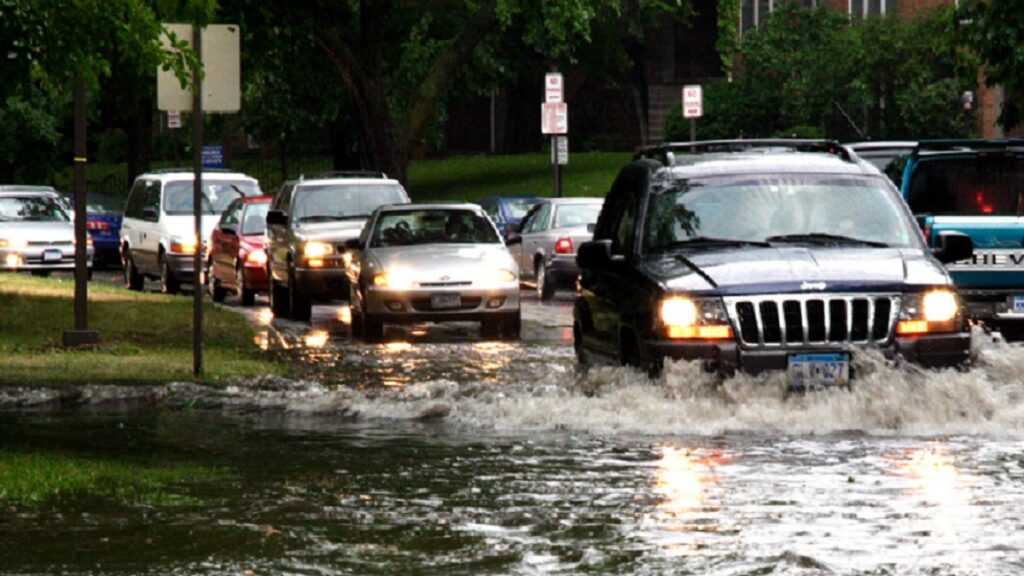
(968,186)
(576,215)
(31,209)
(760,208)
(217,194)
(518,207)
(433,226)
(341,201)
(255,219)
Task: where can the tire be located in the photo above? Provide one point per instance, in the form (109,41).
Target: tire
(577,346)
(217,291)
(41,273)
(278,299)
(1012,332)
(373,328)
(168,283)
(490,328)
(246,296)
(133,280)
(299,304)
(512,326)
(630,355)
(545,287)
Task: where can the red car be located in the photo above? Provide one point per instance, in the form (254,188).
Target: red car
(238,260)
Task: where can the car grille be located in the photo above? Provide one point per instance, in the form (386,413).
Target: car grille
(795,320)
(444,284)
(468,303)
(50,243)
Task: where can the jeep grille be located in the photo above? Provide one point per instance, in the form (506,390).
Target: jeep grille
(795,320)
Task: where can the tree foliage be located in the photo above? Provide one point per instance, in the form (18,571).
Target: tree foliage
(994,30)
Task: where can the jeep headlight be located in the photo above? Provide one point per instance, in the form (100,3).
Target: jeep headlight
(317,249)
(939,306)
(933,311)
(705,318)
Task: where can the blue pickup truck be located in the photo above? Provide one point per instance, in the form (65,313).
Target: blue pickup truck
(976,187)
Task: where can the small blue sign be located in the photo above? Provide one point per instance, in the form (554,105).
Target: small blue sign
(213,156)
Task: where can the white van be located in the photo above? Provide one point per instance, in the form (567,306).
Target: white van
(158,231)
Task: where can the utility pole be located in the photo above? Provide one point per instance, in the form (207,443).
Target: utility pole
(197,202)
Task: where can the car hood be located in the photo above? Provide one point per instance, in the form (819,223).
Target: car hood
(796,269)
(339,230)
(38,231)
(434,262)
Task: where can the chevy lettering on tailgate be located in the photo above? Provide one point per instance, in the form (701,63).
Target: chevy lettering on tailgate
(989,260)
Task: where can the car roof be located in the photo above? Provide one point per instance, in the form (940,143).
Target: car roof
(509,198)
(765,162)
(337,180)
(870,145)
(431,206)
(172,174)
(573,200)
(967,147)
(26,188)
(26,193)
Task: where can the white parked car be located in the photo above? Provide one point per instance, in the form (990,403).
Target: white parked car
(432,263)
(36,233)
(158,237)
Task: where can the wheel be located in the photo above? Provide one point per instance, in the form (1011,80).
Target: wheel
(1012,332)
(168,283)
(373,328)
(512,325)
(246,296)
(217,291)
(278,300)
(299,304)
(41,273)
(133,280)
(545,287)
(577,345)
(630,355)
(490,328)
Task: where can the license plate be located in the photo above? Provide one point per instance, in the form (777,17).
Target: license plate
(445,301)
(818,370)
(52,256)
(1018,304)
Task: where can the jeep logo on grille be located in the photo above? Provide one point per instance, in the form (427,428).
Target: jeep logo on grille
(813,286)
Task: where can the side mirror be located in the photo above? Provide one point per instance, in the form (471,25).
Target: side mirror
(277,218)
(353,244)
(513,238)
(150,213)
(511,230)
(953,247)
(594,255)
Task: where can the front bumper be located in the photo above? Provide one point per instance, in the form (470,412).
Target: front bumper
(255,276)
(563,270)
(31,258)
(414,305)
(930,351)
(993,306)
(323,284)
(181,266)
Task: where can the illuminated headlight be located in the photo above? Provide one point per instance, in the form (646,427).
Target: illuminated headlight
(12,261)
(397,279)
(934,311)
(258,257)
(346,258)
(688,318)
(939,306)
(317,249)
(183,245)
(5,243)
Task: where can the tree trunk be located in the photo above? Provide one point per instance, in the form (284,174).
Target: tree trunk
(138,127)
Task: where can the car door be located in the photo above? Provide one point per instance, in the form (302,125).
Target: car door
(149,228)
(224,242)
(131,223)
(533,238)
(277,235)
(516,247)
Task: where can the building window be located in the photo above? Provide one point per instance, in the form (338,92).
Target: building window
(754,12)
(860,9)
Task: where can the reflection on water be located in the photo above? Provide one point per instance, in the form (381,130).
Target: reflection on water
(316,339)
(264,317)
(935,476)
(689,511)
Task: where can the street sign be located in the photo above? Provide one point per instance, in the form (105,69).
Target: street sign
(554,118)
(693,101)
(222,84)
(174,119)
(560,150)
(554,88)
(213,156)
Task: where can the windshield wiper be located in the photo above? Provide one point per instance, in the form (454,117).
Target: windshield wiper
(705,241)
(332,217)
(825,238)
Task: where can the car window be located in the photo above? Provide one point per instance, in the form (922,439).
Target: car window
(255,219)
(152,198)
(539,221)
(991,185)
(433,226)
(576,215)
(217,194)
(136,200)
(31,209)
(326,202)
(491,207)
(518,207)
(756,208)
(230,217)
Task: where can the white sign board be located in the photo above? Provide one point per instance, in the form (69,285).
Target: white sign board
(174,119)
(554,88)
(693,101)
(222,82)
(560,150)
(554,118)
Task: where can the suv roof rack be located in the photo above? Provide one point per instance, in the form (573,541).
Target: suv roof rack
(968,145)
(666,152)
(342,174)
(190,170)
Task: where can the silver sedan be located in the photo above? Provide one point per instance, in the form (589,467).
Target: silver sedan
(36,234)
(432,263)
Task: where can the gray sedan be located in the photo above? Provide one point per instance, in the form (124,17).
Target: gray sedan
(545,247)
(36,234)
(432,263)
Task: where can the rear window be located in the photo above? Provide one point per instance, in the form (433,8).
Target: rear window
(981,186)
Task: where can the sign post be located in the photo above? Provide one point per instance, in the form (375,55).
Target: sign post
(221,92)
(693,107)
(554,121)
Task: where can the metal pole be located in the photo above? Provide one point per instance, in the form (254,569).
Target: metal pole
(81,246)
(693,129)
(494,138)
(197,203)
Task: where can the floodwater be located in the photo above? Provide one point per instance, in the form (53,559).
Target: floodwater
(434,453)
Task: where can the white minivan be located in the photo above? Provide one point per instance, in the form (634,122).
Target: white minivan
(158,231)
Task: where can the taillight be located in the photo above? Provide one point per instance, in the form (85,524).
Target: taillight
(563,246)
(97,225)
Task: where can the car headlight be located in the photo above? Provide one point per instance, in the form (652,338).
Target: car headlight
(183,245)
(258,257)
(934,311)
(317,249)
(5,243)
(705,318)
(395,279)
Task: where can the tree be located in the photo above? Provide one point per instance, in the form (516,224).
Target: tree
(994,30)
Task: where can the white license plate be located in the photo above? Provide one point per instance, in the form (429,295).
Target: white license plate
(445,301)
(1018,304)
(52,256)
(818,370)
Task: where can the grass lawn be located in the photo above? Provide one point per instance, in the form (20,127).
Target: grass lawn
(145,338)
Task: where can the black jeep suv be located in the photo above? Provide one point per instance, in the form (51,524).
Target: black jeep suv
(761,255)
